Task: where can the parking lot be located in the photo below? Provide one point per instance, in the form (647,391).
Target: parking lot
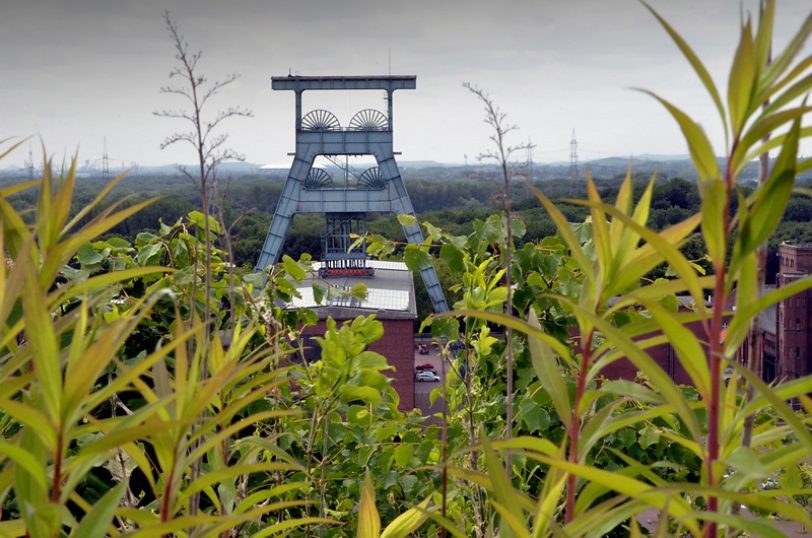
(423,389)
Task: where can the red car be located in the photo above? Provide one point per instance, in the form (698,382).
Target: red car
(426,366)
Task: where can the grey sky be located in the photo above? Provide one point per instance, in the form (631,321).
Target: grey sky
(75,72)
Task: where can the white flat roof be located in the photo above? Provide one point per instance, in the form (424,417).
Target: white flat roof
(390,292)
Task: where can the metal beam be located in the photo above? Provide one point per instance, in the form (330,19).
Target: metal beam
(391,197)
(388,83)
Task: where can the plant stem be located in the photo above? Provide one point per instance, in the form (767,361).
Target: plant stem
(575,424)
(716,352)
(508,304)
(755,340)
(444,434)
(56,484)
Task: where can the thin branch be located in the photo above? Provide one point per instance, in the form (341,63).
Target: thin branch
(216,86)
(495,118)
(180,114)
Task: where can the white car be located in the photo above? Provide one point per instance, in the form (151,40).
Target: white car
(428,376)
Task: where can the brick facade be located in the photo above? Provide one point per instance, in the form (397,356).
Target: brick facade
(792,331)
(784,330)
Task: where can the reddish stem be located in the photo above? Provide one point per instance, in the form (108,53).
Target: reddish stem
(575,424)
(715,363)
(716,352)
(56,484)
(167,496)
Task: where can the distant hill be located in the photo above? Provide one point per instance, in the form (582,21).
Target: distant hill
(665,166)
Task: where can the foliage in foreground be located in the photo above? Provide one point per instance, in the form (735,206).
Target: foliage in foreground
(614,314)
(116,385)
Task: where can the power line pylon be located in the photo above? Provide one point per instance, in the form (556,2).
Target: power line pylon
(573,157)
(29,163)
(105,161)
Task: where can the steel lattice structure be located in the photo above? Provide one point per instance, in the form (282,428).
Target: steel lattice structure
(378,190)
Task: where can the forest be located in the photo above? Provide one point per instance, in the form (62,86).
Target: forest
(452,203)
(152,384)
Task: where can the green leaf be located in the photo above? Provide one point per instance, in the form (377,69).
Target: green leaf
(407,221)
(742,79)
(660,380)
(198,218)
(764,34)
(359,291)
(698,144)
(148,253)
(689,351)
(403,455)
(648,436)
(516,324)
(25,462)
(40,332)
(713,219)
(600,231)
(550,374)
(506,502)
(695,62)
(408,522)
(772,198)
(631,487)
(293,268)
(319,291)
(415,258)
(569,237)
(96,522)
(784,59)
(366,394)
(454,257)
(87,255)
(369,522)
(746,462)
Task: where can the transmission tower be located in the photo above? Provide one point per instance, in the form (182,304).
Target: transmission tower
(29,162)
(529,160)
(105,161)
(573,157)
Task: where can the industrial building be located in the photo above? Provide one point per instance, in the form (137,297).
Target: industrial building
(345,204)
(390,297)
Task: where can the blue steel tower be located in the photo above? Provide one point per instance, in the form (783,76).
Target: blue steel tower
(345,204)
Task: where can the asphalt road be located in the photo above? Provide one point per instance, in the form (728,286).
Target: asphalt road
(422,389)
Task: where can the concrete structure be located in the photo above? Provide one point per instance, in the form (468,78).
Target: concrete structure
(390,296)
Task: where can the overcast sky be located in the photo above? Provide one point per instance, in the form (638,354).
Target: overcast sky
(76,71)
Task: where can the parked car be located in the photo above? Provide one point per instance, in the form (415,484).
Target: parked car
(426,376)
(423,349)
(425,366)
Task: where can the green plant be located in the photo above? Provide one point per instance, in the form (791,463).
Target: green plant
(607,310)
(73,356)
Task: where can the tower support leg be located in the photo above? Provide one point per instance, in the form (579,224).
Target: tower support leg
(285,209)
(403,205)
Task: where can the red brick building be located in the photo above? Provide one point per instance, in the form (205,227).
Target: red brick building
(390,296)
(792,322)
(785,329)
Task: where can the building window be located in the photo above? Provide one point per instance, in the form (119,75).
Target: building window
(797,323)
(797,352)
